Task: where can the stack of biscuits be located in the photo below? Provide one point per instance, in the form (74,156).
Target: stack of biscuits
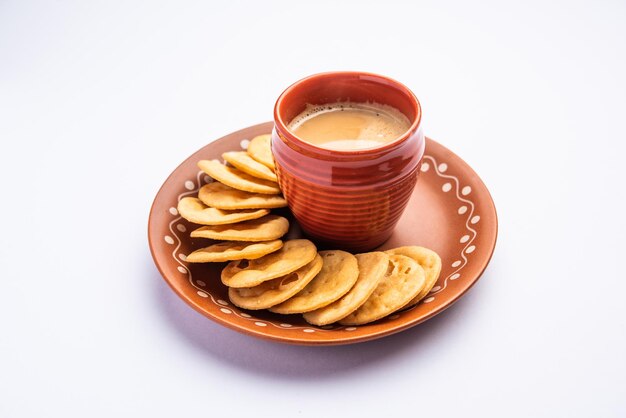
(292,277)
(235,208)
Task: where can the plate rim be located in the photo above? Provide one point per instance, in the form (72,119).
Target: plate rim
(348,339)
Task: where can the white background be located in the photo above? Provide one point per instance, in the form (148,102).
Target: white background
(100,101)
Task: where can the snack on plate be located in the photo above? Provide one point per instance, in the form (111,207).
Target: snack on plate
(233,250)
(272,292)
(339,273)
(293,255)
(260,149)
(221,196)
(237,179)
(428,260)
(402,282)
(247,164)
(193,210)
(372,267)
(267,228)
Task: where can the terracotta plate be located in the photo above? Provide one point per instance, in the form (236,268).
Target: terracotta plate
(450,211)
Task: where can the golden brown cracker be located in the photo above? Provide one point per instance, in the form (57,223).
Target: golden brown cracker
(428,260)
(293,255)
(193,210)
(247,164)
(260,148)
(372,268)
(338,275)
(277,290)
(233,250)
(219,195)
(402,282)
(267,228)
(236,178)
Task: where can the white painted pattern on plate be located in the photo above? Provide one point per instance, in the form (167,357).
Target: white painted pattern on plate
(471,218)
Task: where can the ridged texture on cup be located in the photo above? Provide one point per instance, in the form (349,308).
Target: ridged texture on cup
(349,203)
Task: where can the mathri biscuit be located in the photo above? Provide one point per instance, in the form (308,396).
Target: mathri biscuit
(233,250)
(237,179)
(193,210)
(260,149)
(293,255)
(338,275)
(267,228)
(219,195)
(428,260)
(372,268)
(247,164)
(275,291)
(402,282)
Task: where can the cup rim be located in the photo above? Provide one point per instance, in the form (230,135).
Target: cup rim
(280,123)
